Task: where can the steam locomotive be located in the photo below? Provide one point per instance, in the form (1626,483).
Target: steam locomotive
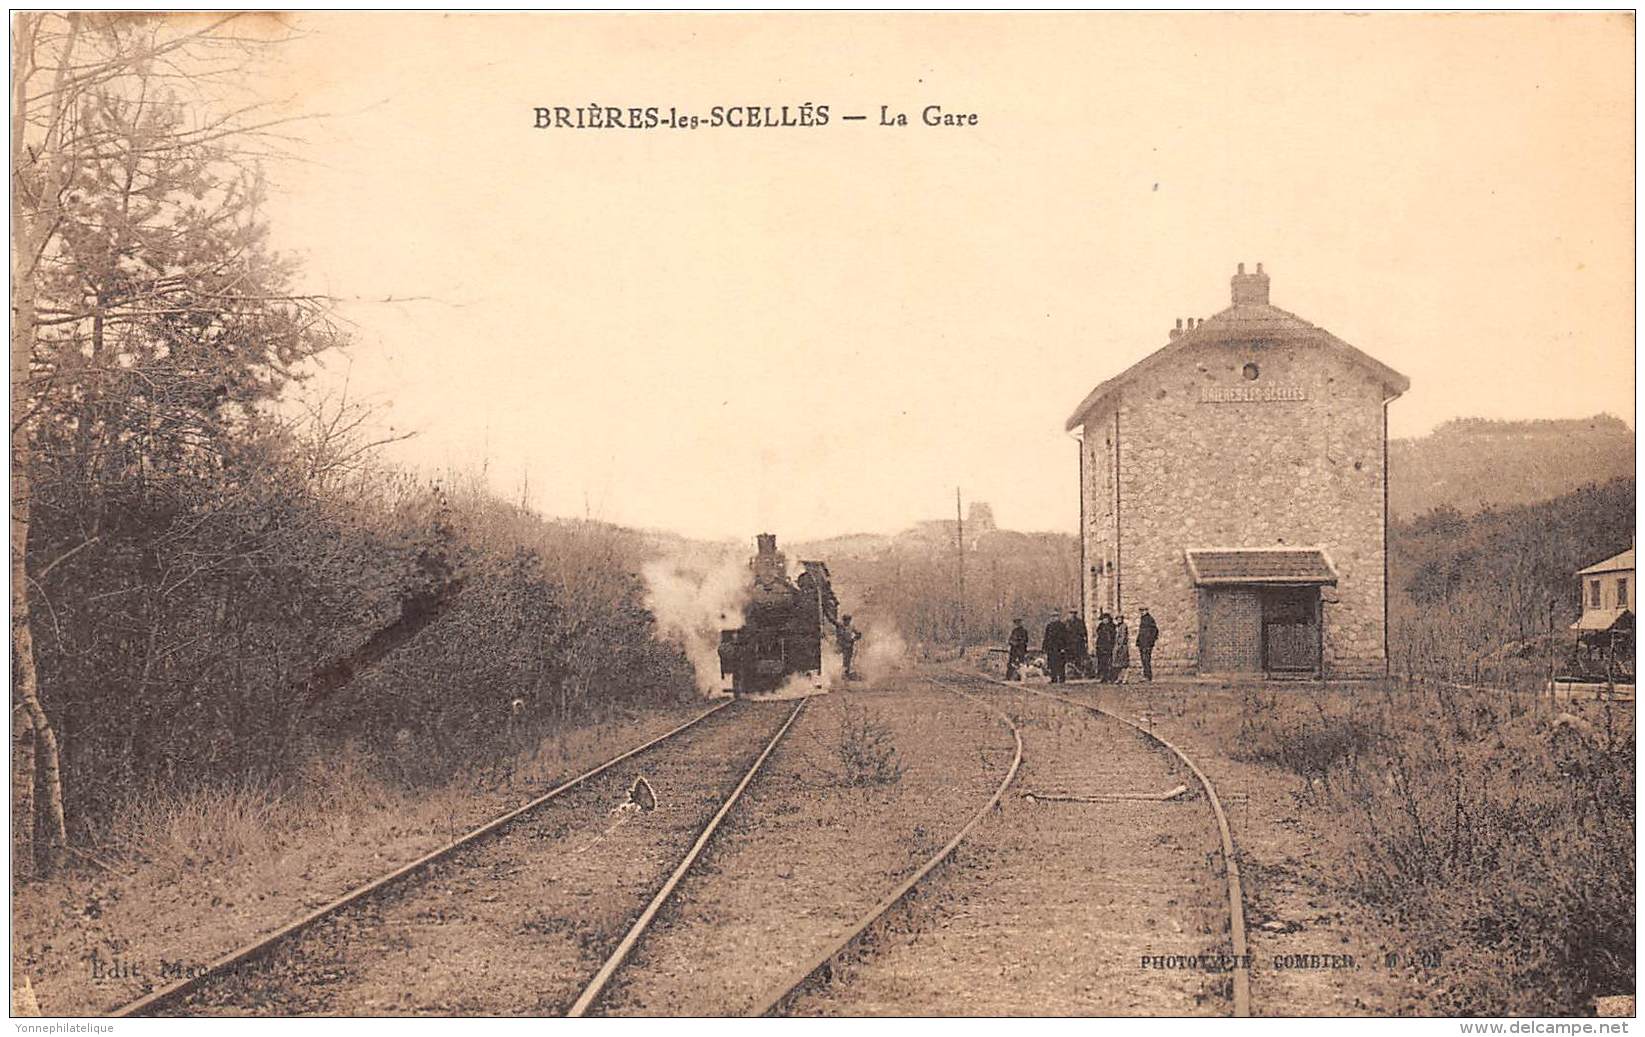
(783,624)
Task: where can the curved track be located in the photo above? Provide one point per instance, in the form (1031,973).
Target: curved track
(784,998)
(774,1002)
(1236,897)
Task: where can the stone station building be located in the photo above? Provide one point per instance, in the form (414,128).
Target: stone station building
(1235,483)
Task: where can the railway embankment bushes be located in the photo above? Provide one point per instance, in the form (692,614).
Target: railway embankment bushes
(276,668)
(1495,831)
(1489,597)
(216,591)
(255,627)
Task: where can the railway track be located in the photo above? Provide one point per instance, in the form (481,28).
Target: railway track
(1236,895)
(597,985)
(232,967)
(783,994)
(784,998)
(780,999)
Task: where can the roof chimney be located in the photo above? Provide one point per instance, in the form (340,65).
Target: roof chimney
(1178,329)
(1250,289)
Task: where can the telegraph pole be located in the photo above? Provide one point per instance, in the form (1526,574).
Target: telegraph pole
(1550,652)
(959,544)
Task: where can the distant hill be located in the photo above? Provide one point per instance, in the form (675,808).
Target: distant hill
(1472,463)
(908,581)
(911,579)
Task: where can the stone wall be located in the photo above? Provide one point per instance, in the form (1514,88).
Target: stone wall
(1208,458)
(1101,567)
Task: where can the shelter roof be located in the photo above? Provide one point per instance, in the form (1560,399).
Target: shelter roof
(1225,566)
(1615,563)
(1604,619)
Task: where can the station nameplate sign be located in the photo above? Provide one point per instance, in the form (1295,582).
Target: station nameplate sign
(1251,393)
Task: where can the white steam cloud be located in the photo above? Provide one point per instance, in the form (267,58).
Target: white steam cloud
(692,604)
(881,653)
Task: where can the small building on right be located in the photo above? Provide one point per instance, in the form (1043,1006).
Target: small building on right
(1605,588)
(1235,483)
(1604,648)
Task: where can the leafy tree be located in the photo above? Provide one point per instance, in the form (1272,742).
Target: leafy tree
(213,587)
(150,320)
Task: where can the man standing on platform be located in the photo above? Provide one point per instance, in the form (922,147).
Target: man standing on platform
(1147,635)
(1055,644)
(1105,648)
(1018,651)
(1079,643)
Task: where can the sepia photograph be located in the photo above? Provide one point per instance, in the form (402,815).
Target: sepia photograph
(928,515)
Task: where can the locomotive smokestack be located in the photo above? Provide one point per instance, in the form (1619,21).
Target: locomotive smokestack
(769,564)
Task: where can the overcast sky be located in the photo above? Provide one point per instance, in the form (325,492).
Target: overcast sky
(825,330)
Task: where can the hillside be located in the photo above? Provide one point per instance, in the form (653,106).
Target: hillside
(1472,463)
(911,579)
(1466,585)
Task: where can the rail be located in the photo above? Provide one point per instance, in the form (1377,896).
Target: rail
(1236,895)
(173,992)
(601,978)
(791,987)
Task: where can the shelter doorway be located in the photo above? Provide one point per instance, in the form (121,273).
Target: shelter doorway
(1260,630)
(1291,630)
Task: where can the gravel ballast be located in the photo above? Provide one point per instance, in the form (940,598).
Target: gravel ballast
(807,853)
(1056,908)
(518,924)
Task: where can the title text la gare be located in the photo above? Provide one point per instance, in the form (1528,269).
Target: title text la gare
(930,115)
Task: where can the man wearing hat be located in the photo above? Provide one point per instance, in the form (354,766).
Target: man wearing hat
(1078,641)
(847,636)
(1105,647)
(1147,634)
(1054,643)
(1018,651)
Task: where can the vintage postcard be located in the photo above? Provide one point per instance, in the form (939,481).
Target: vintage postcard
(847,514)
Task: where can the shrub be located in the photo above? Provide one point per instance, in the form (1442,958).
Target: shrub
(1490,834)
(176,649)
(865,748)
(1300,735)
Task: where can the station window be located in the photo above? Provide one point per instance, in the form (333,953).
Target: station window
(1593,594)
(1621,592)
(1251,372)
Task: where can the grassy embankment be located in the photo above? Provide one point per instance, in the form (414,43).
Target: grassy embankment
(1496,832)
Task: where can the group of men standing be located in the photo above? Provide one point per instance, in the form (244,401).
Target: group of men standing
(1067,645)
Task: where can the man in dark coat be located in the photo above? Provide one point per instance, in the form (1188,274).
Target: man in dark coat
(1105,648)
(1054,643)
(1019,651)
(1079,643)
(1147,634)
(847,636)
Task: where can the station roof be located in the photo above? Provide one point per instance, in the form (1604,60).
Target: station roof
(1604,619)
(1233,566)
(1615,563)
(1249,319)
